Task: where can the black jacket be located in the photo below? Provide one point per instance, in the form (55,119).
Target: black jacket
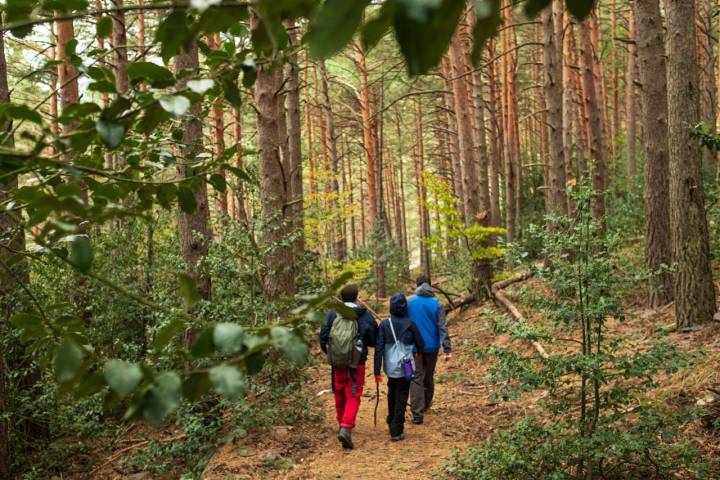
(367,329)
(405,331)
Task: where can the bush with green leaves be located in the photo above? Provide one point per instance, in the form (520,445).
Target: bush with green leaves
(597,423)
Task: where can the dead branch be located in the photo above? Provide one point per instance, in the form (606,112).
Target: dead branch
(513,310)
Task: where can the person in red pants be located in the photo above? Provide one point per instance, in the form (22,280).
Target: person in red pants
(349,339)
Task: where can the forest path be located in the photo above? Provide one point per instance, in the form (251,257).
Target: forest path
(462,414)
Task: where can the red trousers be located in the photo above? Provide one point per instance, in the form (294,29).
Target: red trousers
(347,404)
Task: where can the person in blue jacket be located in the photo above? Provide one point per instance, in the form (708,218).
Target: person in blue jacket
(429,316)
(398,387)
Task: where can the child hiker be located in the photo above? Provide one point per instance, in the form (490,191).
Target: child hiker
(346,342)
(394,352)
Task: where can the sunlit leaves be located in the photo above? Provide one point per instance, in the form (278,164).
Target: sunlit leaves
(291,345)
(175,105)
(68,360)
(202,5)
(200,85)
(123,377)
(9,111)
(228,381)
(228,338)
(110,132)
(334,26)
(379,25)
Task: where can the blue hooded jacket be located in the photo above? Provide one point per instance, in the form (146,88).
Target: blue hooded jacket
(429,316)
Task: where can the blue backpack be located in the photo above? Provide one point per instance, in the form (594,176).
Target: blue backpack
(398,358)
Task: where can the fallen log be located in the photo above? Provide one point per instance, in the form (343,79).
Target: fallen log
(513,310)
(470,298)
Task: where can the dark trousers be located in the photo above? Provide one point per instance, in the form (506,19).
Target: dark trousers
(398,391)
(423,386)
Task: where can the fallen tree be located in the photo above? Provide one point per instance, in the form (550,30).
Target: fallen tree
(470,298)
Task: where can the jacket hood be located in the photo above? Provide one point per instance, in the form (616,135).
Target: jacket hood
(398,305)
(424,290)
(359,311)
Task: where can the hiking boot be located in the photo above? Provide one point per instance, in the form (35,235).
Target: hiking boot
(345,438)
(417,420)
(397,438)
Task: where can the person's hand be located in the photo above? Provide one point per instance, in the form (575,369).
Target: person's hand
(418,355)
(447,356)
(378,379)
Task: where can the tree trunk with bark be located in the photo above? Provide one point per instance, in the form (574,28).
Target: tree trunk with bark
(553,88)
(694,289)
(194,228)
(294,165)
(630,115)
(651,62)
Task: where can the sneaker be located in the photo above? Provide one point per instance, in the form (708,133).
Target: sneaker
(417,420)
(345,438)
(397,438)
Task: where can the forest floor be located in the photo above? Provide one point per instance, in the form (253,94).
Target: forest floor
(464,412)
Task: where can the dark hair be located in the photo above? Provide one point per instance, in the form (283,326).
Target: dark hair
(422,279)
(349,293)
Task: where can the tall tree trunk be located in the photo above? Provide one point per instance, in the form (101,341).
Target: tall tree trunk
(218,118)
(423,213)
(273,183)
(553,88)
(339,247)
(451,116)
(694,289)
(707,58)
(615,125)
(194,228)
(651,61)
(630,116)
(295,167)
(569,109)
(495,155)
(370,148)
(598,148)
(120,51)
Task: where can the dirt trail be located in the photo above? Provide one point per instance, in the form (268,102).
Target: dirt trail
(463,413)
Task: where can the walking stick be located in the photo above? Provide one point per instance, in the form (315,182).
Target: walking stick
(377,401)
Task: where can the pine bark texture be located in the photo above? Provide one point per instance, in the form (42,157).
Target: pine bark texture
(295,167)
(194,228)
(694,289)
(651,63)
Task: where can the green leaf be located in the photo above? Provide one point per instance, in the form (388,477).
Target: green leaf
(110,132)
(488,19)
(249,70)
(533,7)
(228,381)
(163,398)
(196,385)
(218,182)
(154,116)
(202,5)
(201,85)
(580,9)
(172,33)
(26,321)
(81,254)
(186,199)
(20,112)
(17,11)
(68,360)
(377,27)
(123,377)
(254,363)
(188,291)
(423,31)
(291,345)
(168,331)
(175,104)
(334,26)
(204,345)
(90,384)
(229,85)
(156,75)
(103,28)
(228,338)
(220,19)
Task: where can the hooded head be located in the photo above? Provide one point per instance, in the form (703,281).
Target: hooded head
(398,305)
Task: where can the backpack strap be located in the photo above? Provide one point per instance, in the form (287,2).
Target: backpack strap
(392,329)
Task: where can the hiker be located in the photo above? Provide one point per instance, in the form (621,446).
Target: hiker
(428,315)
(397,338)
(346,342)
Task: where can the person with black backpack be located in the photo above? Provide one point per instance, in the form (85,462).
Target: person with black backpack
(346,342)
(394,351)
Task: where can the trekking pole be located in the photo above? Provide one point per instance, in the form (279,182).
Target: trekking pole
(377,401)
